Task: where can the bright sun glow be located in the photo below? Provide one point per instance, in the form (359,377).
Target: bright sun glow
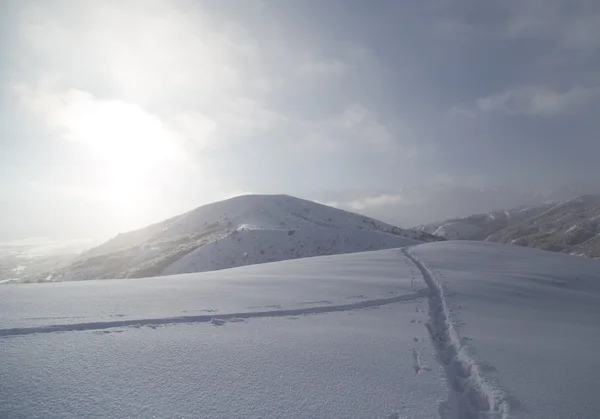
(127,143)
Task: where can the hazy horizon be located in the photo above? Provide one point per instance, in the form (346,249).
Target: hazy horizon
(115,115)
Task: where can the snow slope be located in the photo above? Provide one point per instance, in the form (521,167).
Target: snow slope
(483,226)
(467,330)
(524,323)
(239,231)
(255,246)
(457,230)
(572,226)
(326,337)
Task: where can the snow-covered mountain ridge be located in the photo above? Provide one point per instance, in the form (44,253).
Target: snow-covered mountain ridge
(481,226)
(571,226)
(239,231)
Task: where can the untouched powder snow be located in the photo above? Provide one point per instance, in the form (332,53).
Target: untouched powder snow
(327,281)
(456,330)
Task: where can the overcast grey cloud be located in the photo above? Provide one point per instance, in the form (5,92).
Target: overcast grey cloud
(115,114)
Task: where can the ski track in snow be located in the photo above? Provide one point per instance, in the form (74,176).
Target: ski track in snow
(216,320)
(419,365)
(470,395)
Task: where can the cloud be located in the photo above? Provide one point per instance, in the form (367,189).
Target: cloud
(197,128)
(360,120)
(323,68)
(112,129)
(143,51)
(280,97)
(202,76)
(131,157)
(355,126)
(369,203)
(387,206)
(530,100)
(564,24)
(445,198)
(570,24)
(463,112)
(246,117)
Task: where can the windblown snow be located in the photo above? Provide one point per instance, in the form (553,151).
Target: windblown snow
(456,330)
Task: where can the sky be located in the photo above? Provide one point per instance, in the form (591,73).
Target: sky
(116,114)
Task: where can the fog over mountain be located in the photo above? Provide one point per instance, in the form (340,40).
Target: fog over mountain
(425,204)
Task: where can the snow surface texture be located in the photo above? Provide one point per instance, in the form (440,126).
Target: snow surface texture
(457,330)
(239,231)
(470,396)
(529,318)
(326,337)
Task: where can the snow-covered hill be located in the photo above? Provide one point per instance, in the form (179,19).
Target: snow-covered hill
(239,231)
(457,230)
(570,227)
(481,226)
(247,247)
(453,330)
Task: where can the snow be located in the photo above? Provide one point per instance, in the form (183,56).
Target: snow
(246,247)
(458,330)
(574,229)
(491,224)
(565,219)
(457,230)
(520,214)
(7,281)
(325,337)
(22,259)
(531,318)
(236,232)
(270,212)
